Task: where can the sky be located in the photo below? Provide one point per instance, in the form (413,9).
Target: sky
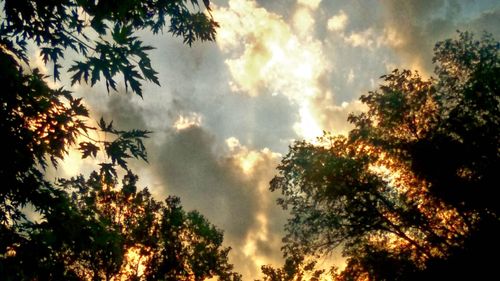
(279,71)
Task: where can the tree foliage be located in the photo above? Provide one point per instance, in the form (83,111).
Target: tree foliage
(409,193)
(93,228)
(103,230)
(296,268)
(101,33)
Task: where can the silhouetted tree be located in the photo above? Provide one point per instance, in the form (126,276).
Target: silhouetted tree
(101,33)
(154,240)
(95,228)
(296,268)
(409,193)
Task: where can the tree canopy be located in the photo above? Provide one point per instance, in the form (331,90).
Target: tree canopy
(101,33)
(409,193)
(94,227)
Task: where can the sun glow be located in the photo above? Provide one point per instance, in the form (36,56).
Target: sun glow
(136,261)
(270,55)
(184,122)
(308,126)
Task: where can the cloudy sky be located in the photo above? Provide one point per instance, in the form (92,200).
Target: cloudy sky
(279,71)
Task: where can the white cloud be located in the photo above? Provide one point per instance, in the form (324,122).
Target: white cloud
(365,39)
(186,121)
(338,22)
(312,4)
(303,22)
(273,58)
(246,158)
(333,118)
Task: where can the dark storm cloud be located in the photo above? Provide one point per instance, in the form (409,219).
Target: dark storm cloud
(125,113)
(187,163)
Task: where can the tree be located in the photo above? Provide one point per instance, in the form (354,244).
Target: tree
(109,231)
(102,33)
(90,228)
(154,240)
(296,268)
(409,193)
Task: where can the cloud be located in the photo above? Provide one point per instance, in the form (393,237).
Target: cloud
(228,185)
(278,71)
(350,76)
(312,4)
(273,59)
(361,39)
(415,26)
(262,34)
(407,20)
(488,21)
(262,242)
(266,55)
(333,117)
(186,121)
(125,110)
(189,167)
(337,22)
(303,22)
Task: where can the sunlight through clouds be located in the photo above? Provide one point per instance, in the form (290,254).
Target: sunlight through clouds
(246,158)
(184,122)
(260,233)
(303,22)
(306,60)
(279,71)
(268,54)
(338,21)
(313,4)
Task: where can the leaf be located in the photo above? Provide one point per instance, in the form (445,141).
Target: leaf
(80,69)
(79,108)
(98,25)
(102,124)
(121,33)
(148,72)
(131,77)
(52,54)
(88,149)
(108,172)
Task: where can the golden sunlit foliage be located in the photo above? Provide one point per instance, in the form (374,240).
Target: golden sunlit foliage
(407,194)
(150,240)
